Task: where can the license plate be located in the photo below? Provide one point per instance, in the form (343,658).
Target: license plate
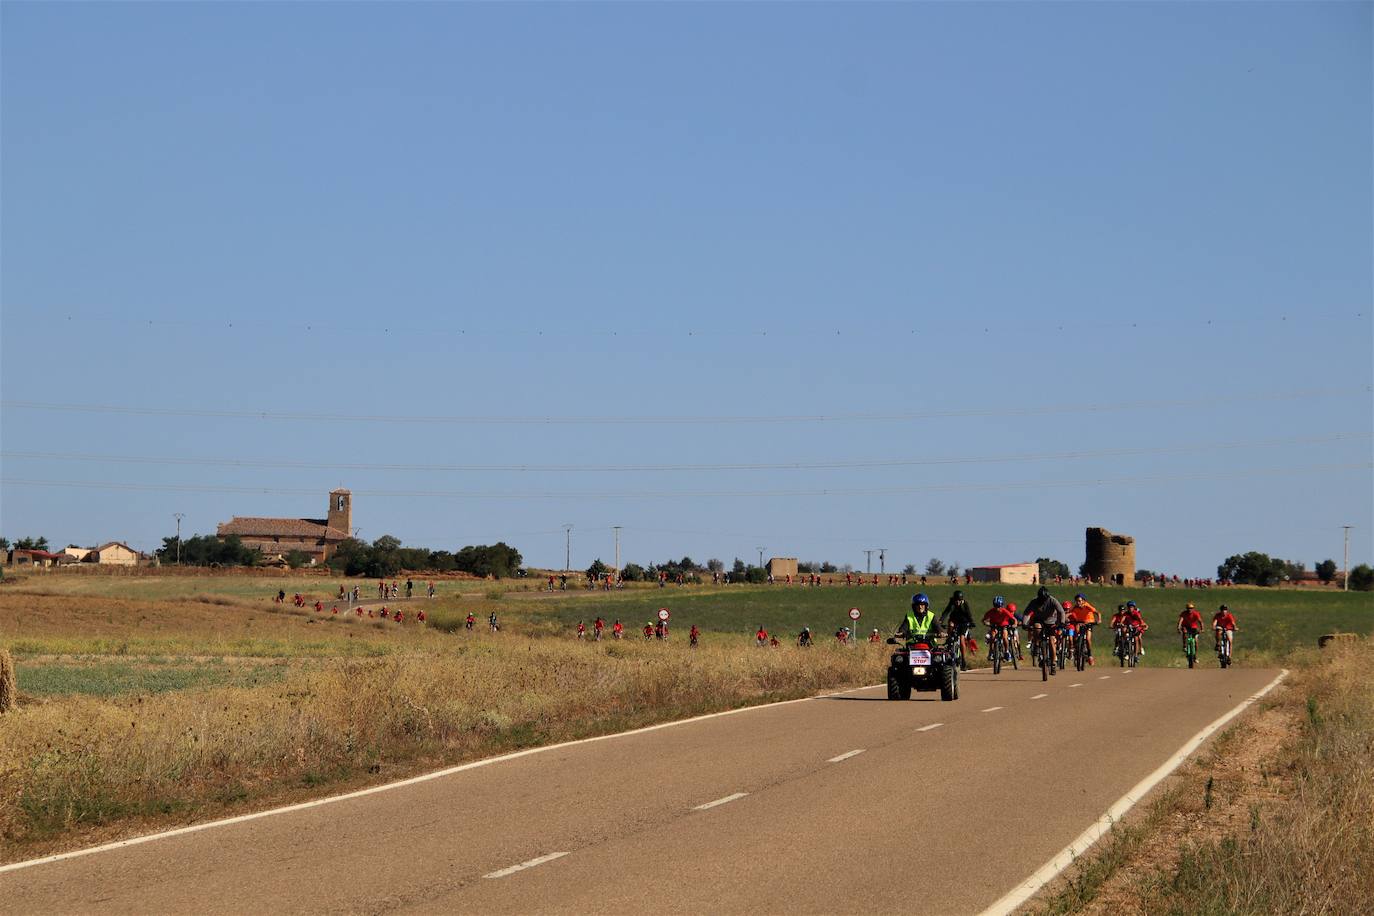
(920,657)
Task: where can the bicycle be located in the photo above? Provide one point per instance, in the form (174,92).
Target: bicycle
(1224,648)
(1190,647)
(1125,646)
(999,649)
(1044,650)
(1082,648)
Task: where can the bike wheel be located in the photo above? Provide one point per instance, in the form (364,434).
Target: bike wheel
(995,649)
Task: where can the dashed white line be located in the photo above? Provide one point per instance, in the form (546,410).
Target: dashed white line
(930,727)
(720,801)
(1105,677)
(1075,685)
(993,708)
(1129,671)
(1039,696)
(845,756)
(524,865)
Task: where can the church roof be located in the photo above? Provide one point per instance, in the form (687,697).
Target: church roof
(253,526)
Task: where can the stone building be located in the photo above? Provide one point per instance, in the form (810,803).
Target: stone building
(1009,574)
(1110,557)
(318,537)
(782,567)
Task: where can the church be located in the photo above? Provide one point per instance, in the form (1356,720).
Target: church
(318,537)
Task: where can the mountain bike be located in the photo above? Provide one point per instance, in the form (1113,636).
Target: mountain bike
(1190,647)
(1125,646)
(1082,649)
(1224,649)
(1044,651)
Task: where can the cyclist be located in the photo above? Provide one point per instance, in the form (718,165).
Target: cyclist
(1134,620)
(1046,613)
(1018,617)
(470,622)
(874,637)
(494,623)
(1189,623)
(959,617)
(999,618)
(919,621)
(581,630)
(597,626)
(804,637)
(617,630)
(1084,615)
(761,637)
(648,630)
(692,636)
(1223,625)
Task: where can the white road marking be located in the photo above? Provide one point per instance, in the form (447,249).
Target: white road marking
(845,756)
(1040,696)
(402,783)
(721,801)
(1129,671)
(930,727)
(1051,869)
(1105,677)
(524,865)
(1075,685)
(993,708)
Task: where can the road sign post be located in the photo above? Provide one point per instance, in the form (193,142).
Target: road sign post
(854,615)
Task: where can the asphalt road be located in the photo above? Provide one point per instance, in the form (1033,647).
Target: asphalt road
(829,805)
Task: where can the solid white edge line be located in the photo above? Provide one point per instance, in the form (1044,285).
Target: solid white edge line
(845,756)
(720,801)
(524,865)
(931,727)
(413,780)
(1066,856)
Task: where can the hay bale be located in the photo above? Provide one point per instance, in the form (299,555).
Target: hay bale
(9,689)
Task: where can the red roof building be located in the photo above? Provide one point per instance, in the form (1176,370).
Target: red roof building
(318,537)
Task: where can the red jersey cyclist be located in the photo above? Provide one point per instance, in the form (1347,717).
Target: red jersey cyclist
(1189,622)
(1223,626)
(997,618)
(1132,618)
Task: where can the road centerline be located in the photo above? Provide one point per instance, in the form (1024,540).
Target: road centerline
(931,727)
(845,756)
(524,865)
(1039,696)
(994,708)
(721,801)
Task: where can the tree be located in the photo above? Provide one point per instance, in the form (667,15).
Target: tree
(737,570)
(499,560)
(1255,568)
(632,572)
(4,544)
(952,569)
(909,569)
(31,543)
(1326,570)
(935,567)
(828,567)
(1051,568)
(756,574)
(297,558)
(597,569)
(1362,578)
(715,566)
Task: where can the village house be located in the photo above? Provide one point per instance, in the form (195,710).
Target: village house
(112,553)
(1010,574)
(276,537)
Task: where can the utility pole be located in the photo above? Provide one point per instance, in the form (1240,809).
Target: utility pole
(882,560)
(567,548)
(617,550)
(868,560)
(180,515)
(1346,577)
(761,550)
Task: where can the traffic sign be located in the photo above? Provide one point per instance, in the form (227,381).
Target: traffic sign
(854,613)
(663,614)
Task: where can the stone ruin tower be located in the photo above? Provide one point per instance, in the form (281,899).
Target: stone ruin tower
(1111,557)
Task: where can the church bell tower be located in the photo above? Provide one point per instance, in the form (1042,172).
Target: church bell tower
(341,511)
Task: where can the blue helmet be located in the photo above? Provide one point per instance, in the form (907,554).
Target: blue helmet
(1080,597)
(920,599)
(999,601)
(1130,604)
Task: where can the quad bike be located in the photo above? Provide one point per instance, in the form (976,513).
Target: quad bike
(924,664)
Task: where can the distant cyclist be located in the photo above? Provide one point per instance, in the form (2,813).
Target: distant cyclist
(1189,623)
(692,635)
(1223,625)
(804,638)
(761,637)
(470,622)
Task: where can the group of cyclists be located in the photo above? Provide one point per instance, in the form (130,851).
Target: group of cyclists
(1057,629)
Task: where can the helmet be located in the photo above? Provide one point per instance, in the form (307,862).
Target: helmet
(1190,606)
(1043,593)
(1130,604)
(999,601)
(1012,607)
(1223,608)
(1120,608)
(920,599)
(958,595)
(1080,597)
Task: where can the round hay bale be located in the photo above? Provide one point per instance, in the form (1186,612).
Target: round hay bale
(9,689)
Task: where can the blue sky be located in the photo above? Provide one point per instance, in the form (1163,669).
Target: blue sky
(667,211)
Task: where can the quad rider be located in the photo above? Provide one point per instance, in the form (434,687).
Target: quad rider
(919,622)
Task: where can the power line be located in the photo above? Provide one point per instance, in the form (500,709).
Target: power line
(821,465)
(683,494)
(669,420)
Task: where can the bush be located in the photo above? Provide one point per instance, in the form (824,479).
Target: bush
(1362,578)
(297,558)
